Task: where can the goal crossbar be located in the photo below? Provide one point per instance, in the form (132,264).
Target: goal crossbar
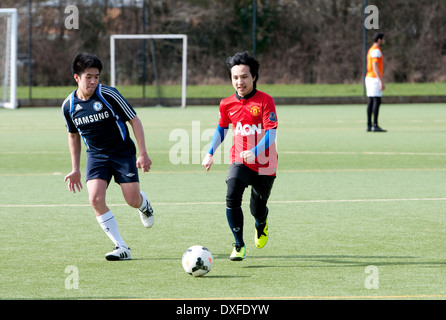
(151,36)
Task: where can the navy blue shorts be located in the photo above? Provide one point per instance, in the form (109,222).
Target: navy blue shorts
(123,169)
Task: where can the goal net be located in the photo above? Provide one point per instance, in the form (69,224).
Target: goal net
(8,58)
(151,67)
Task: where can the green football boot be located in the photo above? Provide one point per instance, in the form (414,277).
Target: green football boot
(261,238)
(238,253)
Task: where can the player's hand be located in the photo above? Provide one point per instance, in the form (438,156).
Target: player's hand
(143,162)
(207,161)
(74,182)
(383,86)
(248,156)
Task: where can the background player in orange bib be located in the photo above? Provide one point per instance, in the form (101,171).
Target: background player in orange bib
(374,82)
(253,157)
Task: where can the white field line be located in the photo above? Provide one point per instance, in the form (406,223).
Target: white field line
(224,171)
(388,153)
(53,152)
(222,203)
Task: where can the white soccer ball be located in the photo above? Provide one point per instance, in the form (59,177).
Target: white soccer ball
(197,261)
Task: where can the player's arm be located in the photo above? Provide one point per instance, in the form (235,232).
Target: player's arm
(378,74)
(267,140)
(74,177)
(143,161)
(127,113)
(217,139)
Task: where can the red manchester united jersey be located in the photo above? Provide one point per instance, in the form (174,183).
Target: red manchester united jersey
(250,117)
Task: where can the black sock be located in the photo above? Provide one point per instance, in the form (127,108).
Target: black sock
(235,221)
(260,224)
(370,111)
(376,105)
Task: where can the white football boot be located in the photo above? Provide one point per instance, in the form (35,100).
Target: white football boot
(146,214)
(119,253)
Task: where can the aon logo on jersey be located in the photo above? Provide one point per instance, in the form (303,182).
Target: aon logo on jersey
(247,130)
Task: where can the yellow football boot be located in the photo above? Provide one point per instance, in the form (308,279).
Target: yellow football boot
(261,238)
(238,253)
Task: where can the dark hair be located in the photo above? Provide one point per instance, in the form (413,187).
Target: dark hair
(246,59)
(83,61)
(377,36)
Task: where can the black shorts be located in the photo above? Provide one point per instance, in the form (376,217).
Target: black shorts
(261,184)
(123,169)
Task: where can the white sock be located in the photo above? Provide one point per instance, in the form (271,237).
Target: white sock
(144,200)
(110,227)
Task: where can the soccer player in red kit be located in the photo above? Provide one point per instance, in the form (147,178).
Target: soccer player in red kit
(253,157)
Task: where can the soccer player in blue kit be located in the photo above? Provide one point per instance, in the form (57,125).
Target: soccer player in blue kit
(98,114)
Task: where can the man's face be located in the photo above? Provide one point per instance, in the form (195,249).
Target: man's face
(88,81)
(242,80)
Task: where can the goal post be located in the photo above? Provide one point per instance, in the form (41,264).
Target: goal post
(182,37)
(8,58)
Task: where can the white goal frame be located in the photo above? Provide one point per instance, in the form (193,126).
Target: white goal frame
(151,36)
(10,76)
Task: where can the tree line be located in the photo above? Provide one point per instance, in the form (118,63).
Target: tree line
(297,41)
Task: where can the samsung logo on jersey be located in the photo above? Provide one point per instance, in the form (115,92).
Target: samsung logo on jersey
(91,118)
(247,130)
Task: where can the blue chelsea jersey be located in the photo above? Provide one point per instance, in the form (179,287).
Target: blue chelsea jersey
(101,121)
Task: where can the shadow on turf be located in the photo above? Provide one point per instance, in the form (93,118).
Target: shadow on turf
(333,261)
(345,261)
(223,276)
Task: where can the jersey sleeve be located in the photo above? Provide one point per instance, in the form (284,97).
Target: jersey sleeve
(120,105)
(375,54)
(217,139)
(269,114)
(66,106)
(223,121)
(265,143)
